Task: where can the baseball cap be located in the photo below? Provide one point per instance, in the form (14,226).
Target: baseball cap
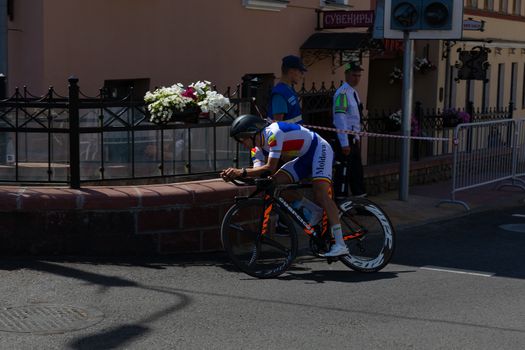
(292,61)
(353,66)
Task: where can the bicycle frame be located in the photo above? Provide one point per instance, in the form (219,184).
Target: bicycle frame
(285,206)
(272,197)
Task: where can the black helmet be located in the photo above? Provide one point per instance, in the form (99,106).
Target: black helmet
(247,125)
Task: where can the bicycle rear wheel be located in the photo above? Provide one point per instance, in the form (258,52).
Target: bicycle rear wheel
(257,253)
(368,233)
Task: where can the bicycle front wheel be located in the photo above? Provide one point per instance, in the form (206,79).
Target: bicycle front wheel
(368,233)
(261,244)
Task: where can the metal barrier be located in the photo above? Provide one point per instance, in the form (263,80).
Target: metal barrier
(519,154)
(485,153)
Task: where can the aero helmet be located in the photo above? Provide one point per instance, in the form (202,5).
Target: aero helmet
(247,125)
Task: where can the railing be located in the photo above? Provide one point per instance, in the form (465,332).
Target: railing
(79,139)
(425,122)
(317,110)
(485,153)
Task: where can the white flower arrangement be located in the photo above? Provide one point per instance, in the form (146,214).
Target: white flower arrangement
(423,64)
(395,75)
(395,117)
(164,101)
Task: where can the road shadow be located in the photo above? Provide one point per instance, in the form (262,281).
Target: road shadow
(323,276)
(474,243)
(153,262)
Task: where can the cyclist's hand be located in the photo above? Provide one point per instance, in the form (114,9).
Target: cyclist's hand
(230,174)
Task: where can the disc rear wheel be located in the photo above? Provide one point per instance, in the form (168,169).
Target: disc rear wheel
(368,233)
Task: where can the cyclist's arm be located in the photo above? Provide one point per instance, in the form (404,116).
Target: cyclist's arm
(234,173)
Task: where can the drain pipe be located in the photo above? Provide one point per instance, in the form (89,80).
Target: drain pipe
(3,37)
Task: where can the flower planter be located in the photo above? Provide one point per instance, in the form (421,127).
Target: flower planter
(166,101)
(188,116)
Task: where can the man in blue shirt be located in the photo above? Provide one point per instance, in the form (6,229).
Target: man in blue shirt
(284,105)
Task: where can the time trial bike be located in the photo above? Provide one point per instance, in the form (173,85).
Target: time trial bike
(259,231)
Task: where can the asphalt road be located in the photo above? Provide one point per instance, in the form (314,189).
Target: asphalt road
(456,284)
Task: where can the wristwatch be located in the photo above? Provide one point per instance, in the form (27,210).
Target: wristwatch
(244,172)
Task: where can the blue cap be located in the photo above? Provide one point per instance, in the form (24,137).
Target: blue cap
(292,61)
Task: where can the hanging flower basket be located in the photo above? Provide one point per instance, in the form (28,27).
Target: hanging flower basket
(179,104)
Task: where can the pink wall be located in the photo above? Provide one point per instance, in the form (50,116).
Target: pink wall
(25,50)
(167,41)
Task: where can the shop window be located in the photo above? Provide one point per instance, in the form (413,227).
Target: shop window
(120,88)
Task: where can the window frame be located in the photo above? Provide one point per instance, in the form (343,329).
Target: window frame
(501,86)
(334,4)
(514,83)
(266,5)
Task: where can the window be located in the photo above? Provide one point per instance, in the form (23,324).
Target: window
(472,3)
(501,81)
(523,92)
(453,87)
(485,97)
(120,88)
(517,7)
(504,6)
(267,5)
(470,93)
(334,3)
(488,5)
(513,83)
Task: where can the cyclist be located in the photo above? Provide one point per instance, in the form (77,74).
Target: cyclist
(312,158)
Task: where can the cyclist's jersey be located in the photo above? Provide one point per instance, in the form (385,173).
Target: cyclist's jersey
(311,155)
(286,140)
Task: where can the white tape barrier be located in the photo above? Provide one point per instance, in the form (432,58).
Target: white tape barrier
(372,134)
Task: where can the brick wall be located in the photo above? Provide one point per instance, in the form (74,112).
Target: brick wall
(148,219)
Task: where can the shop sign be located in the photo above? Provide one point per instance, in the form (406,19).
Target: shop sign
(347,19)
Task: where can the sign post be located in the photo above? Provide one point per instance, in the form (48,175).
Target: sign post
(417,19)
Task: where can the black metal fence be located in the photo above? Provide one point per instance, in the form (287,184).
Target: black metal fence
(78,139)
(317,110)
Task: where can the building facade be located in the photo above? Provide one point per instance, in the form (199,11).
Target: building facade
(161,42)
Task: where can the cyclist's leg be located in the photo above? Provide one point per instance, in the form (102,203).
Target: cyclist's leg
(321,168)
